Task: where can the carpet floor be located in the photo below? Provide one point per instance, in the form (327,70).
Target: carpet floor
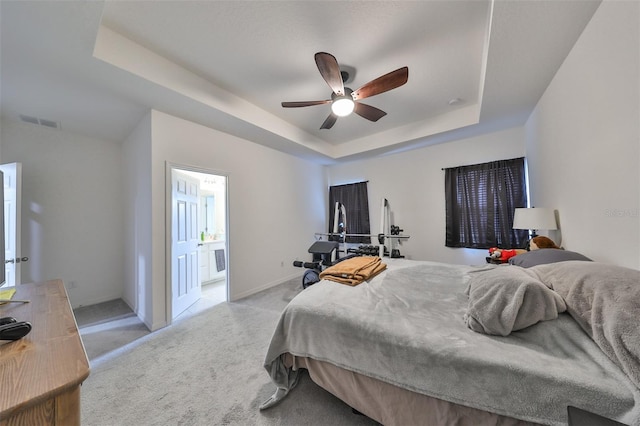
(204,369)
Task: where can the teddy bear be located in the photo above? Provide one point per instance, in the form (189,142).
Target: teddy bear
(541,242)
(501,254)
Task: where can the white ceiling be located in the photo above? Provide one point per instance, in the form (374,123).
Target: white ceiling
(98,67)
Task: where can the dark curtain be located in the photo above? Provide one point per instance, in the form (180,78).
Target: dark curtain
(480,203)
(355,199)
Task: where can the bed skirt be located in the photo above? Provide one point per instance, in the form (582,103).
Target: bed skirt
(391,405)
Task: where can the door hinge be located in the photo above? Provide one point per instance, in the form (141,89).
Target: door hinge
(17,260)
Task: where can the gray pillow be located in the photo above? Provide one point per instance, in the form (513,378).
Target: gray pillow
(507,299)
(543,256)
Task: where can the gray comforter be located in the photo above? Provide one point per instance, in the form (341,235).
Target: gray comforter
(605,301)
(406,327)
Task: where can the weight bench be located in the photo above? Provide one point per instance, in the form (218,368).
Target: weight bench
(322,252)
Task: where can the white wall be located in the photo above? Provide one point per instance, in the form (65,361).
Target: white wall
(94,211)
(72,209)
(583,139)
(276,202)
(413,182)
(136,161)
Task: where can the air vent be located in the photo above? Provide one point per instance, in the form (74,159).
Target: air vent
(48,123)
(41,121)
(29,119)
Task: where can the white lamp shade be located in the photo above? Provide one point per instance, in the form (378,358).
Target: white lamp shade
(342,106)
(534,218)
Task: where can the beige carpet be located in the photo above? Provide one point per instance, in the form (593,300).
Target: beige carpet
(206,369)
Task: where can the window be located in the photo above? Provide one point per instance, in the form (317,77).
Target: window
(355,199)
(480,203)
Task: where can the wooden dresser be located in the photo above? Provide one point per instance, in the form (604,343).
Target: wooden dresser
(41,374)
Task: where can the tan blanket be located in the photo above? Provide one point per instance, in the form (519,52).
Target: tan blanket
(355,270)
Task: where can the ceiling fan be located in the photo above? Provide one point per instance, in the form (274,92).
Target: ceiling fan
(343,100)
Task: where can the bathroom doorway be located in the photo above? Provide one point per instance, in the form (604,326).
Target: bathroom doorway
(206,266)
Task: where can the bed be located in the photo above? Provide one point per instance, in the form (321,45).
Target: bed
(433,343)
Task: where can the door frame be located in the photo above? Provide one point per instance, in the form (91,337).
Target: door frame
(14,235)
(169,167)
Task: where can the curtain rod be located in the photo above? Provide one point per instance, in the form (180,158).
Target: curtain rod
(352,183)
(488,162)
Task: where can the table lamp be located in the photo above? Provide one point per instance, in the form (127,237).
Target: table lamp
(534,219)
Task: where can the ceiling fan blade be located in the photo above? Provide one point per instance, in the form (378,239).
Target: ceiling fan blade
(382,84)
(303,103)
(369,112)
(329,122)
(330,71)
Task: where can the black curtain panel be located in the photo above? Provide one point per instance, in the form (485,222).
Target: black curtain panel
(355,199)
(480,203)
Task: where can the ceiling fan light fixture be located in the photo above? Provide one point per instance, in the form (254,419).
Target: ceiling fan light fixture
(343,99)
(342,106)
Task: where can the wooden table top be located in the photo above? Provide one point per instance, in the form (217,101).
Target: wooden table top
(51,358)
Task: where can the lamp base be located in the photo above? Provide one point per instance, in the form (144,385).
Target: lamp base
(533,235)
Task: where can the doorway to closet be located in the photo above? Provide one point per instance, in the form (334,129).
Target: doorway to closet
(199,249)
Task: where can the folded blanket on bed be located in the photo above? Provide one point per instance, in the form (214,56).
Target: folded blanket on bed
(507,299)
(605,300)
(355,270)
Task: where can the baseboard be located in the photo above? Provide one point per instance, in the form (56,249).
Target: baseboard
(150,326)
(234,297)
(90,302)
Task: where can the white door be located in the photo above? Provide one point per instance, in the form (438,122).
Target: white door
(12,195)
(185,261)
